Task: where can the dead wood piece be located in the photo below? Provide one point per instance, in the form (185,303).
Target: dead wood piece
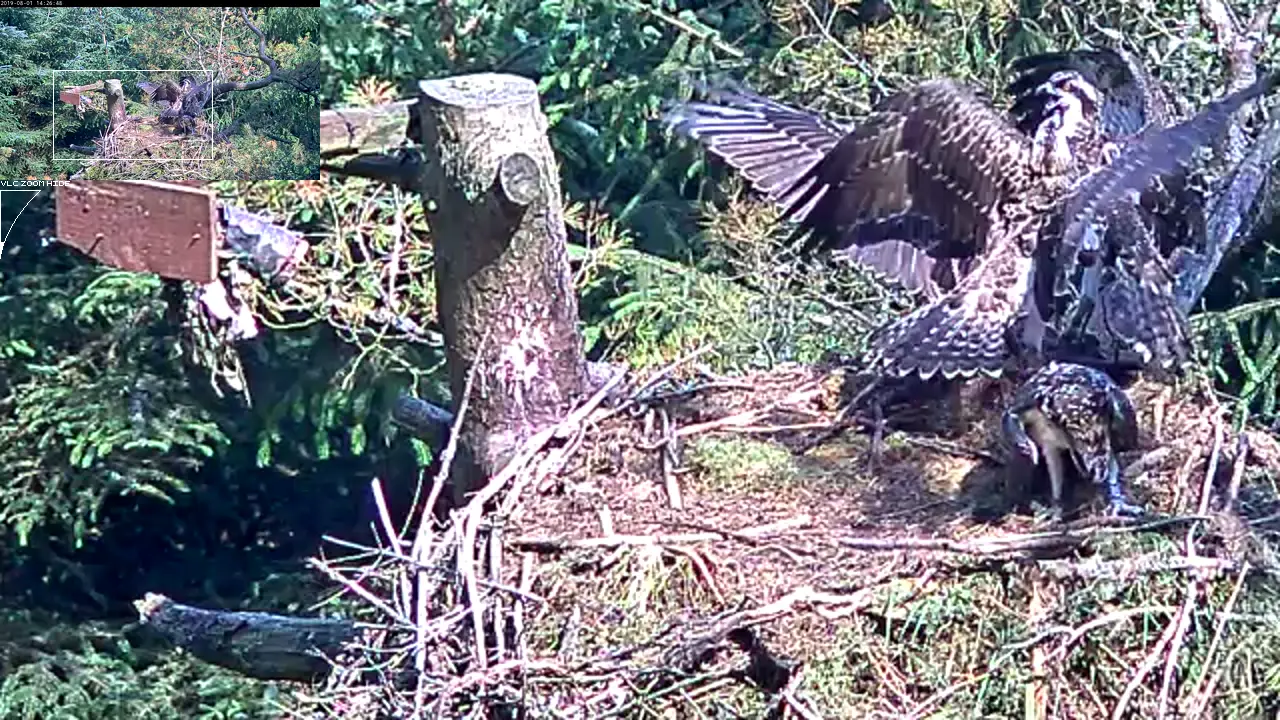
(258,645)
(502,268)
(357,130)
(1126,569)
(751,535)
(427,421)
(1031,544)
(400,168)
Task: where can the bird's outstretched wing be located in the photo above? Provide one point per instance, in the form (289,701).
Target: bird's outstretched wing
(1130,99)
(1157,153)
(769,143)
(149,88)
(930,166)
(773,146)
(163,91)
(967,331)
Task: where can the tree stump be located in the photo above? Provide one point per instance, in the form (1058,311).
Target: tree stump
(115,102)
(505,293)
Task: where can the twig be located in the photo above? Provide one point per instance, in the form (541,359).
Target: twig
(675,500)
(752,535)
(684,27)
(356,588)
(950,448)
(1126,568)
(495,577)
(1211,470)
(1075,634)
(422,540)
(1237,471)
(987,546)
(1175,634)
(384,515)
(1148,664)
(748,417)
(437,569)
(469,518)
(701,567)
(774,429)
(841,421)
(664,373)
(526,585)
(789,697)
(552,545)
(1181,623)
(926,706)
(1202,692)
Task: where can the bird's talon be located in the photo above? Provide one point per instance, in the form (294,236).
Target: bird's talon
(1121,508)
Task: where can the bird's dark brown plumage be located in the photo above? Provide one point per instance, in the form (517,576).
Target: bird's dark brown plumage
(772,146)
(1072,413)
(938,168)
(180,103)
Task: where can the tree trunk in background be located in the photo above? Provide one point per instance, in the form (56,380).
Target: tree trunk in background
(115,102)
(505,292)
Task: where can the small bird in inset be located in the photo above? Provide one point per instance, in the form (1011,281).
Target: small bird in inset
(1073,411)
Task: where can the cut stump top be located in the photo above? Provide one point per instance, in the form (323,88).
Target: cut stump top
(480,90)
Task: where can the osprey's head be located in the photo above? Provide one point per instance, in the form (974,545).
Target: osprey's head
(1066,134)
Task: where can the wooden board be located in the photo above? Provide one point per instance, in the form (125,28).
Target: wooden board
(142,226)
(374,129)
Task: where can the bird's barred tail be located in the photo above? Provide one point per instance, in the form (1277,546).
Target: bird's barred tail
(941,338)
(1139,318)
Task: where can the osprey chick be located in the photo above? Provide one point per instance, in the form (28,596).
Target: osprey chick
(1077,412)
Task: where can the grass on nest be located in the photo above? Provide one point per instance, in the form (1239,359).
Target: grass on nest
(739,464)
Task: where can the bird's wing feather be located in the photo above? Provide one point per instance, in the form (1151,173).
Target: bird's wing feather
(1158,152)
(769,143)
(965,332)
(929,167)
(1136,310)
(773,145)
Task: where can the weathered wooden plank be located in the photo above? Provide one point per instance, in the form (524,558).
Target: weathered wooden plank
(356,130)
(142,226)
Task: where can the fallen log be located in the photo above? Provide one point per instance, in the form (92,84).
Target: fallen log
(254,644)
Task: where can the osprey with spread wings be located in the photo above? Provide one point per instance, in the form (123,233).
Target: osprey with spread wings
(180,102)
(940,191)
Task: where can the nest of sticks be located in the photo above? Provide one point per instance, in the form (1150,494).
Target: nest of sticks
(686,542)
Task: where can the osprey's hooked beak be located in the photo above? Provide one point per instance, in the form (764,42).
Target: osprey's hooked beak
(1015,433)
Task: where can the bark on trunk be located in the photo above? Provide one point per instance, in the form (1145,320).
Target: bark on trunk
(505,292)
(258,645)
(115,102)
